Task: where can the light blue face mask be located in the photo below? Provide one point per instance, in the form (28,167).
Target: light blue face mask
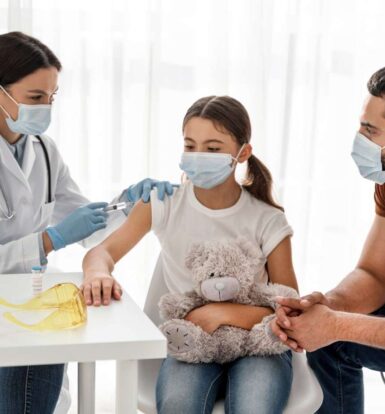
(206,169)
(31,119)
(367,156)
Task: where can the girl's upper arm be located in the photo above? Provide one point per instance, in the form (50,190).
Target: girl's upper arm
(280,265)
(136,226)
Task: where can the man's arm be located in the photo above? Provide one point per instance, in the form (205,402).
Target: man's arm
(362,329)
(320,326)
(99,262)
(363,290)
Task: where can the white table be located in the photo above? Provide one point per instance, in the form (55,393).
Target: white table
(120,332)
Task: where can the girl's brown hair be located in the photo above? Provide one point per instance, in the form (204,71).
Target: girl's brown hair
(229,114)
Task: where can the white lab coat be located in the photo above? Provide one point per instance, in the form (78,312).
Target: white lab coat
(26,190)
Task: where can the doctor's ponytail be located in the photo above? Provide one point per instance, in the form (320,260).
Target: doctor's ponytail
(230,115)
(21,55)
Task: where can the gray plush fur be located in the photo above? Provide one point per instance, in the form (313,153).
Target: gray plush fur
(222,269)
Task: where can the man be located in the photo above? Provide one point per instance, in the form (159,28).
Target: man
(348,321)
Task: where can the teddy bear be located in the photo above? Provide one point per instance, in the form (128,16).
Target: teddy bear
(222,270)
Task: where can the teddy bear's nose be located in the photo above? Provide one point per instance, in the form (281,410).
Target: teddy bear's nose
(219,286)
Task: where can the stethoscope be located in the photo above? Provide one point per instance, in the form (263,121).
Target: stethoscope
(8,213)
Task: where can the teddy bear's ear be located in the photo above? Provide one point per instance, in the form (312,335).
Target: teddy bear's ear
(195,255)
(249,248)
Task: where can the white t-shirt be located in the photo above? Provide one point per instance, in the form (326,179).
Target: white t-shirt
(181,220)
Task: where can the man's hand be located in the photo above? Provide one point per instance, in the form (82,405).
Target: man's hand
(280,322)
(299,305)
(291,307)
(100,287)
(314,328)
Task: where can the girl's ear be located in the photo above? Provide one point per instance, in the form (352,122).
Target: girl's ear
(245,154)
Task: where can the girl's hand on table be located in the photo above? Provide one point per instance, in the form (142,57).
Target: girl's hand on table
(98,288)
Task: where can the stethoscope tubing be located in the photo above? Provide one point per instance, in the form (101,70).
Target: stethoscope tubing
(10,214)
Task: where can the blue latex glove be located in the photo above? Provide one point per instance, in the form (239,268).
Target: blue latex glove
(143,189)
(77,226)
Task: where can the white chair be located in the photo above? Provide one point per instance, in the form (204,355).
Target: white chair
(306,394)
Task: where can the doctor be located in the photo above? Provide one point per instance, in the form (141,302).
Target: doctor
(41,207)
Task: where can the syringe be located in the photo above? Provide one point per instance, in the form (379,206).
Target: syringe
(118,206)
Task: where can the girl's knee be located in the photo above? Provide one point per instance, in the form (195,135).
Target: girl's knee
(263,383)
(177,403)
(269,368)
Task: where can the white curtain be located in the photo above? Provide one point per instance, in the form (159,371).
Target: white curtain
(132,68)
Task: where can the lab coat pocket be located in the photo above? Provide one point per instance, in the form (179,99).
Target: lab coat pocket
(46,213)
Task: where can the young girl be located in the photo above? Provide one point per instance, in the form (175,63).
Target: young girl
(210,205)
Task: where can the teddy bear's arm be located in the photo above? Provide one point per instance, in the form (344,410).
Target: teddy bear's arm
(178,305)
(263,295)
(261,340)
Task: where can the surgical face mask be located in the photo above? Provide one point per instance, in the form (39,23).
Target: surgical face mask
(206,169)
(66,301)
(367,156)
(31,119)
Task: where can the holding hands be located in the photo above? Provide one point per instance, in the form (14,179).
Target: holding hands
(306,323)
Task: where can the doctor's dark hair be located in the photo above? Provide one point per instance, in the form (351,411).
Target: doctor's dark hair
(229,114)
(21,55)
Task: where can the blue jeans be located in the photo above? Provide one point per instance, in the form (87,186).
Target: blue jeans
(338,368)
(30,389)
(250,385)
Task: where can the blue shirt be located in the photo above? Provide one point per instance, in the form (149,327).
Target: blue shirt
(18,148)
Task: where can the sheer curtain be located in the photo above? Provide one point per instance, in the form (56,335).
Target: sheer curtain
(132,68)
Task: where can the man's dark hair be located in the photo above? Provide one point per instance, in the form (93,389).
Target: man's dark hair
(376,83)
